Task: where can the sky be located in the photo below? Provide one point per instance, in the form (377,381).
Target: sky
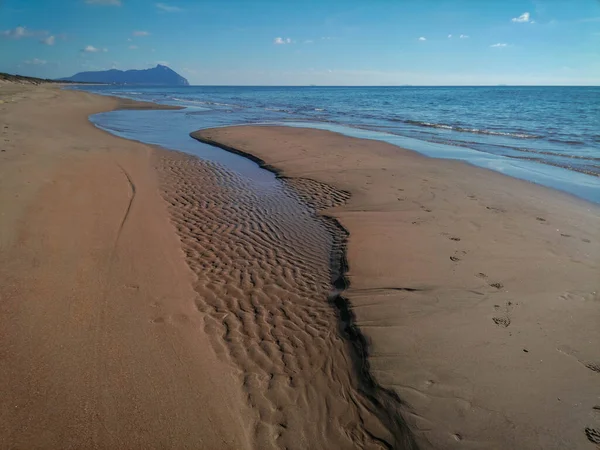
(300,42)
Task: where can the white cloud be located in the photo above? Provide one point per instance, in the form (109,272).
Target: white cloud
(422,38)
(499,45)
(141,33)
(49,40)
(133,47)
(104,2)
(523,18)
(35,61)
(282,41)
(192,71)
(464,36)
(309,41)
(449,36)
(22,32)
(168,8)
(92,49)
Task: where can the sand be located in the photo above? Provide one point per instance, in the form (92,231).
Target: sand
(154,300)
(477,293)
(100,340)
(149,299)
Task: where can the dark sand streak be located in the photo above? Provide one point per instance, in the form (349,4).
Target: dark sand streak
(386,404)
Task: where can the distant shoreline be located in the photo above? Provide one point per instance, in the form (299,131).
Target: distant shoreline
(552,155)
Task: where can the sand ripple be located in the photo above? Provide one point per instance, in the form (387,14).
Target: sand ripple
(262,261)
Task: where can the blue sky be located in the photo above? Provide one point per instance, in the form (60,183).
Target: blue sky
(325,42)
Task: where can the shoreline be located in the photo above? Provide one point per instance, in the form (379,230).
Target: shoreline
(280,172)
(389,403)
(430,149)
(270,147)
(564,170)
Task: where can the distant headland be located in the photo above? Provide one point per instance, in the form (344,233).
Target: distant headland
(156,76)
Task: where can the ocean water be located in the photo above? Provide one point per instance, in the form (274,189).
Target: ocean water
(547,135)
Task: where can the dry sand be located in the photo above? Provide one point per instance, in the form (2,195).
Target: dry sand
(100,340)
(478,293)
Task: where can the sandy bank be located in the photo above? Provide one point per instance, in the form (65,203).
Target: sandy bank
(479,294)
(100,341)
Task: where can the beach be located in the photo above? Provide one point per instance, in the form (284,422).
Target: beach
(89,268)
(376,299)
(478,293)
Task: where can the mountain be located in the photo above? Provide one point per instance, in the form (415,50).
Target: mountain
(157,76)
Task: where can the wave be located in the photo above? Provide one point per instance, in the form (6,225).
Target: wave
(287,111)
(468,130)
(201,102)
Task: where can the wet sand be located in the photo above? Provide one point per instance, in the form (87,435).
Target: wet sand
(477,293)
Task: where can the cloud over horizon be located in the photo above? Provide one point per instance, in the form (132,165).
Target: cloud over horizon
(104,2)
(22,32)
(523,18)
(499,45)
(168,8)
(140,33)
(92,49)
(49,40)
(282,41)
(35,62)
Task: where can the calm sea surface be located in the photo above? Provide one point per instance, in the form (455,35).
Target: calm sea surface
(549,135)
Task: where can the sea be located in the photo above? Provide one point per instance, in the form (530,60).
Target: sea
(546,135)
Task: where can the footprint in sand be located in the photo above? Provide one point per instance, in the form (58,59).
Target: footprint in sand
(503,319)
(593,366)
(481,275)
(593,435)
(497,285)
(457,255)
(493,208)
(540,219)
(449,236)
